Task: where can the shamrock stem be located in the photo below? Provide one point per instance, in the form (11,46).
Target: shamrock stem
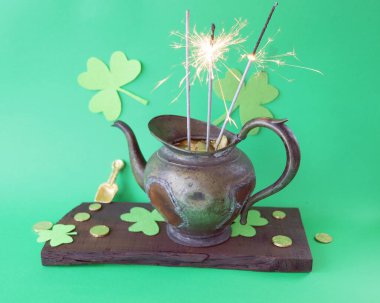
(137,98)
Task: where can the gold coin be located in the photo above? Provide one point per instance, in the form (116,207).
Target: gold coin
(80,217)
(43,225)
(282,241)
(98,231)
(323,238)
(95,206)
(279,214)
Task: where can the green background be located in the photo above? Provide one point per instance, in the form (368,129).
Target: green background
(54,152)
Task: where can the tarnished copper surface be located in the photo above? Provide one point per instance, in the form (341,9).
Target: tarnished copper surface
(160,199)
(201,193)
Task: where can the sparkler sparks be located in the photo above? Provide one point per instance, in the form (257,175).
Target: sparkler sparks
(228,115)
(205,56)
(262,60)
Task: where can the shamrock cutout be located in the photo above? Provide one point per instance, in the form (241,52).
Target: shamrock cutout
(254,94)
(108,81)
(145,221)
(59,234)
(253,219)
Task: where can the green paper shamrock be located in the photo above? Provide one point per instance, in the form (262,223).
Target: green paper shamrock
(109,82)
(59,234)
(253,219)
(145,221)
(254,94)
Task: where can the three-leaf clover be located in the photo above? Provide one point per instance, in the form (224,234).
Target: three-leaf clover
(108,81)
(253,219)
(59,234)
(145,221)
(254,94)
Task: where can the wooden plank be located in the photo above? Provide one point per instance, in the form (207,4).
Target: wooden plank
(124,247)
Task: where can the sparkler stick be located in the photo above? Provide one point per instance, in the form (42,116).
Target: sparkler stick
(187,68)
(244,75)
(210,78)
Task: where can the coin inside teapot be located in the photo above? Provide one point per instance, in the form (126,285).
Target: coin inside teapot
(199,145)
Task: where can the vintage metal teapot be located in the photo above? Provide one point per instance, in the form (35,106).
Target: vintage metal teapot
(201,193)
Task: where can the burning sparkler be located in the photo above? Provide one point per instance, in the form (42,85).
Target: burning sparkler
(203,56)
(187,68)
(262,59)
(244,76)
(207,56)
(210,78)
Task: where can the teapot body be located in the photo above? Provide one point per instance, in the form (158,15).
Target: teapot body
(199,195)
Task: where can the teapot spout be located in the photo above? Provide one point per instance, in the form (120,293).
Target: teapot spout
(137,160)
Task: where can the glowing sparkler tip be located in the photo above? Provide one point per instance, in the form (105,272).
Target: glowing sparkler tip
(251,57)
(206,52)
(212,32)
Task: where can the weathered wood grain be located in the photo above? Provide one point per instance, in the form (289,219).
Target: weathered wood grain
(124,247)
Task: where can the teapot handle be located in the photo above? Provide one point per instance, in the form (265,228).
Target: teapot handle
(293,157)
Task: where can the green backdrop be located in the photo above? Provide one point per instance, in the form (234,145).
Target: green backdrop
(54,152)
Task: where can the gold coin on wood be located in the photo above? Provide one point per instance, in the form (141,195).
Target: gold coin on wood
(80,217)
(95,206)
(279,214)
(323,238)
(98,231)
(43,225)
(282,241)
